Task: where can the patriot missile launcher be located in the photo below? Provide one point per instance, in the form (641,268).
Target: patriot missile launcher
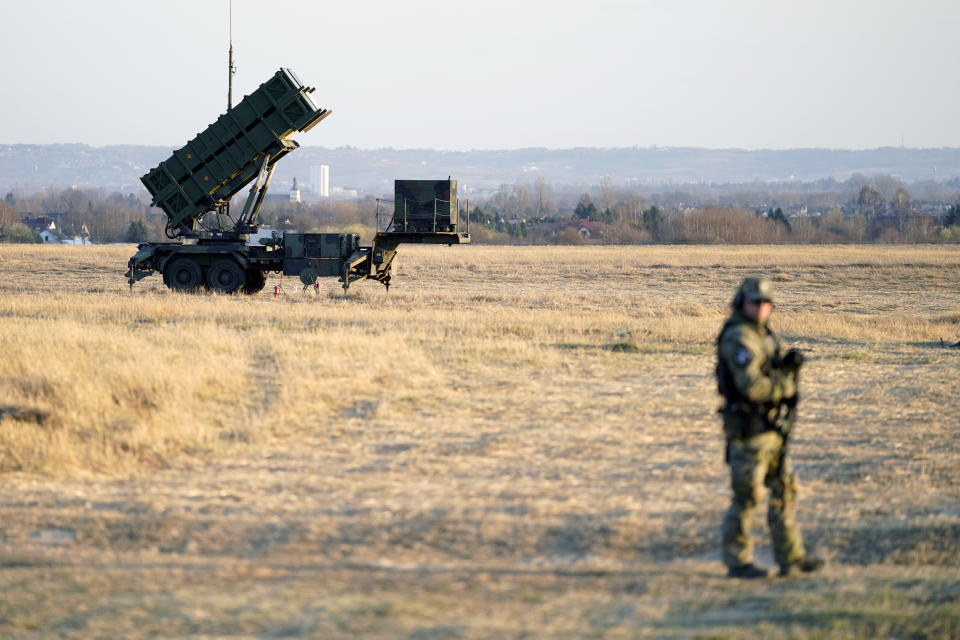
(209,247)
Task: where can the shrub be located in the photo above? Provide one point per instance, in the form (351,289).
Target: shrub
(20,233)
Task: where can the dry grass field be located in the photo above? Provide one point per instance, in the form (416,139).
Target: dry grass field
(513,442)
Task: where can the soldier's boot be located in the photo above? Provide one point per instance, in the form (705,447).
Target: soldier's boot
(747,571)
(804,565)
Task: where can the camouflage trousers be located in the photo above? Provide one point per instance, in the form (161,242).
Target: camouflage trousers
(755,463)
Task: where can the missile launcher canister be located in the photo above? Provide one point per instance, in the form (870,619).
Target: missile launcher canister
(210,169)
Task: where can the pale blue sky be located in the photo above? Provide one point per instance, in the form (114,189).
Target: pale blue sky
(494,74)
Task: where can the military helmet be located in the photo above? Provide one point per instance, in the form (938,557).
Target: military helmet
(755,288)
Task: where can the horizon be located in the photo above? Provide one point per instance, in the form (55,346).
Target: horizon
(654,147)
(372,170)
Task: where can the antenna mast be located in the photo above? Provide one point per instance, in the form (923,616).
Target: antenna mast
(230,68)
(223,211)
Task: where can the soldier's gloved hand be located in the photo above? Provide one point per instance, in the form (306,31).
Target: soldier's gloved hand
(792,361)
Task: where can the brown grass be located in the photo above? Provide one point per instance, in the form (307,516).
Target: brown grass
(511,442)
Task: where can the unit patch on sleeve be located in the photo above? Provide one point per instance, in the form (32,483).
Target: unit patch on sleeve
(742,357)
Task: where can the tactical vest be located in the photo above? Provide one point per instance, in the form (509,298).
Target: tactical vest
(743,417)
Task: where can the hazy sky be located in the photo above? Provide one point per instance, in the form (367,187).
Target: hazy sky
(494,74)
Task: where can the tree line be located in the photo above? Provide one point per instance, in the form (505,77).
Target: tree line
(861,210)
(91,215)
(877,209)
(97,216)
(718,224)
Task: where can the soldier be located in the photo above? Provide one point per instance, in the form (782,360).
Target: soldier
(760,390)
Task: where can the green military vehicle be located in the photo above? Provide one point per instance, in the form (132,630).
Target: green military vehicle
(209,247)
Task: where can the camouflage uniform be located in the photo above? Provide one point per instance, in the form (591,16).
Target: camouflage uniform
(754,386)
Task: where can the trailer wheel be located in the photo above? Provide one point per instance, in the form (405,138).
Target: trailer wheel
(225,276)
(183,274)
(255,281)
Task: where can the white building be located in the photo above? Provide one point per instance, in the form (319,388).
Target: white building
(320,180)
(343,194)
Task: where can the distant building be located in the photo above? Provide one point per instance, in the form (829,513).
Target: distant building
(264,233)
(344,194)
(294,192)
(589,228)
(320,180)
(41,223)
(586,228)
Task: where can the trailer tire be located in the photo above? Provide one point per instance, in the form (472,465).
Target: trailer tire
(255,281)
(225,276)
(183,274)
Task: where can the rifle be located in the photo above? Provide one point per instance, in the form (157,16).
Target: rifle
(787,414)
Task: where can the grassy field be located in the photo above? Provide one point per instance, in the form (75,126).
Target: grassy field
(513,442)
